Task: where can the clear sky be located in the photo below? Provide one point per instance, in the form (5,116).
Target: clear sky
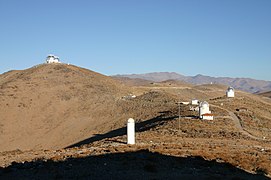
(211,37)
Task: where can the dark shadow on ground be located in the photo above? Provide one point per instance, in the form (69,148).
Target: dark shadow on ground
(133,165)
(140,127)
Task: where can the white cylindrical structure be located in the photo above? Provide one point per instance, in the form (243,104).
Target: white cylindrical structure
(131,131)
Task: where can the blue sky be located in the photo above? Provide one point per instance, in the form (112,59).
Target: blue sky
(211,37)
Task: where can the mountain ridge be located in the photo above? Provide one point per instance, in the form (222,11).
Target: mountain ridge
(245,84)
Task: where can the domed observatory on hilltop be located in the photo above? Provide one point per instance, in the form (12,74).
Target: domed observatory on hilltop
(230,92)
(52,59)
(204,111)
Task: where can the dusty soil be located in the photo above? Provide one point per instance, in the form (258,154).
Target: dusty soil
(65,122)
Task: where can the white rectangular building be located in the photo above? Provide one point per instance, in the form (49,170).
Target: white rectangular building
(207,117)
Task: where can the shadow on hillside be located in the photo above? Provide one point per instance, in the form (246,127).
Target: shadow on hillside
(133,165)
(140,127)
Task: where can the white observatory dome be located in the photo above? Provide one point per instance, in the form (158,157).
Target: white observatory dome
(230,92)
(204,104)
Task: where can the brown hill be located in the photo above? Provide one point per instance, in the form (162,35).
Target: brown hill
(51,106)
(133,82)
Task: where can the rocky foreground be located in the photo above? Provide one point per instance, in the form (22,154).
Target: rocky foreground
(162,151)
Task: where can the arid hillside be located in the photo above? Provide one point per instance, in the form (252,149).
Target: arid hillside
(54,105)
(59,121)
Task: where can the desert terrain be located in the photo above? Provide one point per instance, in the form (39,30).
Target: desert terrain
(60,121)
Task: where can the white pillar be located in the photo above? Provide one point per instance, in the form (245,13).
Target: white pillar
(131,131)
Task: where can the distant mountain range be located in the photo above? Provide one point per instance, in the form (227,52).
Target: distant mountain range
(245,84)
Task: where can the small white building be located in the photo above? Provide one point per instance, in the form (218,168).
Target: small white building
(230,92)
(195,102)
(185,102)
(52,59)
(204,109)
(208,116)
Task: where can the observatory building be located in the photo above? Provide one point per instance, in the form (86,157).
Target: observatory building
(204,111)
(52,59)
(195,102)
(230,92)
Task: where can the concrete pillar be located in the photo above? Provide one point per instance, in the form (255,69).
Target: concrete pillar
(131,131)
